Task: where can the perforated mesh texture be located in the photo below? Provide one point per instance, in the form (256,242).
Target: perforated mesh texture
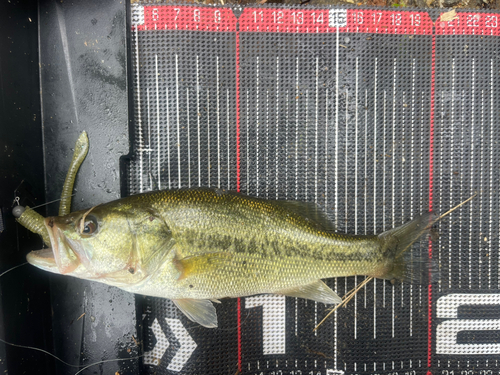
(376,116)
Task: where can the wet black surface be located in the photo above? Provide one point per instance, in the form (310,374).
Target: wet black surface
(80,79)
(24,294)
(84,87)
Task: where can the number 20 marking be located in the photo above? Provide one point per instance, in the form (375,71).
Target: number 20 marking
(447,308)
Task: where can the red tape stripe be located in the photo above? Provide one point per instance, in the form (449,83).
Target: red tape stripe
(238,169)
(431,181)
(301,20)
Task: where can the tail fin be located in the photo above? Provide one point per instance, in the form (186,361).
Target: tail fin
(406,260)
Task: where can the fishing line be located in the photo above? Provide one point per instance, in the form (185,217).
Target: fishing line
(44,204)
(52,355)
(66,363)
(17,200)
(108,360)
(39,350)
(13,268)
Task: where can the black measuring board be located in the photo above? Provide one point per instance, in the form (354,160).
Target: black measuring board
(327,117)
(377,116)
(467,156)
(186,87)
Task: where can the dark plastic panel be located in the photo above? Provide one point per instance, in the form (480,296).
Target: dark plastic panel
(24,294)
(72,58)
(84,87)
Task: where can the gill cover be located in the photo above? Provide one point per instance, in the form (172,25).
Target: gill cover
(118,243)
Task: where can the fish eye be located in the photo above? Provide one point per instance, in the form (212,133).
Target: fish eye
(90,226)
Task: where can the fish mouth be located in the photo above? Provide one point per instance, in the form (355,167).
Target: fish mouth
(66,259)
(60,257)
(43,259)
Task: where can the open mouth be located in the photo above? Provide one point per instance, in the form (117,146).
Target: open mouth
(65,258)
(59,258)
(43,259)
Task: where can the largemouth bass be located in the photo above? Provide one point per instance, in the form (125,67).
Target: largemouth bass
(196,246)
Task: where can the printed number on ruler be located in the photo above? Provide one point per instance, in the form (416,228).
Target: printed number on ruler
(290,17)
(317,17)
(396,19)
(155,15)
(188,18)
(491,21)
(415,19)
(447,331)
(273,321)
(386,18)
(473,20)
(470,23)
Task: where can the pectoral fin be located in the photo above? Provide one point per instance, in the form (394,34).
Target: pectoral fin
(198,264)
(317,291)
(200,311)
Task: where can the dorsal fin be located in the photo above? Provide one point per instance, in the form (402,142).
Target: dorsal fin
(309,210)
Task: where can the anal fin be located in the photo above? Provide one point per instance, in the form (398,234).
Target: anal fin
(317,291)
(200,311)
